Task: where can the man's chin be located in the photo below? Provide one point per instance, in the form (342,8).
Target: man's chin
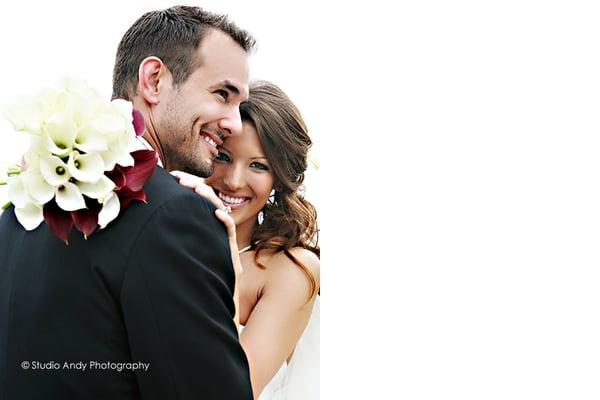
(203,170)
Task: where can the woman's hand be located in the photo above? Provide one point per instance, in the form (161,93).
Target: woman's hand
(197,183)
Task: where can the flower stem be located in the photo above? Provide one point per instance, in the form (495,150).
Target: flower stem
(3,182)
(16,170)
(4,207)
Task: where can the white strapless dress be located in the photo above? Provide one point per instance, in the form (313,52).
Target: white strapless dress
(299,380)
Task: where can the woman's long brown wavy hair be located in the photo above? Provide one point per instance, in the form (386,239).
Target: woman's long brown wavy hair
(289,219)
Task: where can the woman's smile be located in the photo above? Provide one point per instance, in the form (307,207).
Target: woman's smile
(233,201)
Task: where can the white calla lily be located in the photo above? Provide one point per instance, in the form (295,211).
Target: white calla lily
(124,158)
(86,167)
(117,153)
(110,160)
(109,123)
(110,210)
(89,139)
(49,100)
(37,187)
(82,99)
(30,215)
(123,107)
(81,88)
(17,192)
(75,136)
(25,115)
(54,170)
(130,140)
(61,133)
(38,146)
(69,197)
(96,190)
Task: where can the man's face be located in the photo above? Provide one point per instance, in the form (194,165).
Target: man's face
(193,119)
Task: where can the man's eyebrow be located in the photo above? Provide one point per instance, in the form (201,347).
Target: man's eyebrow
(230,86)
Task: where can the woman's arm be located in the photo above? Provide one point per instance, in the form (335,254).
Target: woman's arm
(279,317)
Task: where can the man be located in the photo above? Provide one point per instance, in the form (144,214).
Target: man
(154,287)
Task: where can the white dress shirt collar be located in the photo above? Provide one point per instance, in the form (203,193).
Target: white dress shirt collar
(144,145)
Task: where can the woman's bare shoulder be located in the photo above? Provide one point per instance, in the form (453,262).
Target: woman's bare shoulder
(284,272)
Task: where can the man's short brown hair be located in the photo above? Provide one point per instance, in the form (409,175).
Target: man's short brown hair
(173,35)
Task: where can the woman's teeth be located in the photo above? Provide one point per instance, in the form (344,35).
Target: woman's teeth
(232,200)
(210,141)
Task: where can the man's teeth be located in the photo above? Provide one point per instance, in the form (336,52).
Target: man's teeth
(210,141)
(231,200)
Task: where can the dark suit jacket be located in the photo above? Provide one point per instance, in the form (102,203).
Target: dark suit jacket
(156,286)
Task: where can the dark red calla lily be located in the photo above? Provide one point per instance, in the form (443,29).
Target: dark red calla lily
(86,220)
(126,196)
(117,176)
(145,163)
(58,220)
(138,122)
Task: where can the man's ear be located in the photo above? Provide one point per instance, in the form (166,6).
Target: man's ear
(152,74)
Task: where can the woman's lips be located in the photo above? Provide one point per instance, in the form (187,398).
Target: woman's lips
(233,201)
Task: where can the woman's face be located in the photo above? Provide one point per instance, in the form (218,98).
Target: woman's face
(242,176)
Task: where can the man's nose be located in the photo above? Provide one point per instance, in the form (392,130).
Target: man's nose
(232,123)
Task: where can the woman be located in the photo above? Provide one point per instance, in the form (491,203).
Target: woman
(258,176)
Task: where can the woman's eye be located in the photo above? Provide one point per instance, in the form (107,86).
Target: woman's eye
(260,166)
(222,157)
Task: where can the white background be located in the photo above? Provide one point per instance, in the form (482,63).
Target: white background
(459,151)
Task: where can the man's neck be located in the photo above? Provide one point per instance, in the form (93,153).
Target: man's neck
(155,144)
(150,135)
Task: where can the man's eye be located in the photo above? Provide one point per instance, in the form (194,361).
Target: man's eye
(223,93)
(222,157)
(260,166)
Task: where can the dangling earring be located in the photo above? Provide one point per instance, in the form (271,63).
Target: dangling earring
(270,202)
(271,199)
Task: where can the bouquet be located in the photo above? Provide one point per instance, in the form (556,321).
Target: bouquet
(81,168)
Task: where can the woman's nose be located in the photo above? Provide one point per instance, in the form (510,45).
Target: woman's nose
(233,179)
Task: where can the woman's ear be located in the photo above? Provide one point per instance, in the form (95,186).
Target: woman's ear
(151,73)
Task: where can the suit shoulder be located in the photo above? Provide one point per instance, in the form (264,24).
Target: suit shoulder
(166,203)
(163,188)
